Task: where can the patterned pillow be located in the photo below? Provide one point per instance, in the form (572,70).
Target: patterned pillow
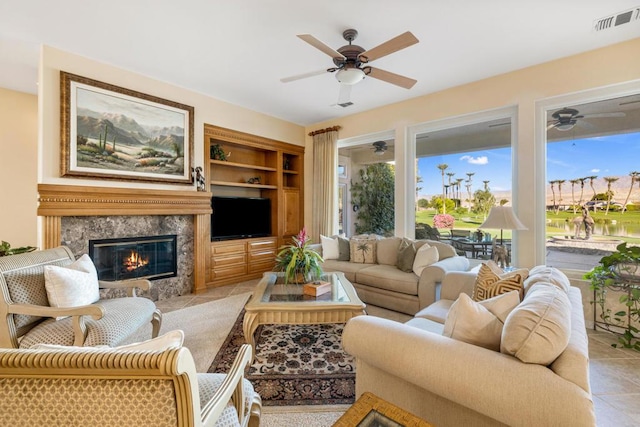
(489,284)
(363,251)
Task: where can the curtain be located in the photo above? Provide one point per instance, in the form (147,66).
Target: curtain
(325,187)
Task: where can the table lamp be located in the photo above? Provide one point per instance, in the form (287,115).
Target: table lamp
(503,218)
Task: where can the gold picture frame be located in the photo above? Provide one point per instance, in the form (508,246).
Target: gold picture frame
(110,132)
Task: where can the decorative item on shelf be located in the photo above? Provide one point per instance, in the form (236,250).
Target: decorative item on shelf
(217,153)
(198,178)
(300,263)
(254,180)
(286,164)
(618,272)
(502,218)
(6,249)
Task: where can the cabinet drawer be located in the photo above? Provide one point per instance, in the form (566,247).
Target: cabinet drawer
(228,248)
(221,273)
(262,256)
(261,267)
(227,260)
(261,245)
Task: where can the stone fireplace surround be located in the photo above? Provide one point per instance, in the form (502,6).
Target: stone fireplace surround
(72,215)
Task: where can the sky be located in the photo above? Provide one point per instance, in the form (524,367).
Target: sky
(602,156)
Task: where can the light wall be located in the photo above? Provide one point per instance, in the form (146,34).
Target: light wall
(18,167)
(521,89)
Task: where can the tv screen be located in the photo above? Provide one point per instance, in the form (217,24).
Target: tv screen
(240,217)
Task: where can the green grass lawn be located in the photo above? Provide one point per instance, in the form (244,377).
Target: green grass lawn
(471,221)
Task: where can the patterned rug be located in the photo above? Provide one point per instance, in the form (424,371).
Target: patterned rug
(295,364)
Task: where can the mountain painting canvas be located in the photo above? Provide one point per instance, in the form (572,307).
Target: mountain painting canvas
(112,132)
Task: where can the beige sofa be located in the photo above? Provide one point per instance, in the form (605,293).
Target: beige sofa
(452,383)
(384,285)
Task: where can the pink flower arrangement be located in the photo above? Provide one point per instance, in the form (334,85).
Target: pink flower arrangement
(301,239)
(443,221)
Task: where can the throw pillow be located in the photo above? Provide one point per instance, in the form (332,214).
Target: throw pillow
(406,255)
(542,273)
(68,287)
(538,330)
(479,323)
(387,251)
(425,256)
(171,339)
(344,249)
(363,251)
(330,247)
(489,284)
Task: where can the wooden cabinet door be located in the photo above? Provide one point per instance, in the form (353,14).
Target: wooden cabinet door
(291,212)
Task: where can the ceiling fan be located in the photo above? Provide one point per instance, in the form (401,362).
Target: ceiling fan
(379,147)
(566,118)
(351,62)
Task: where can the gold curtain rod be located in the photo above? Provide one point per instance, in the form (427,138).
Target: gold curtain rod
(331,129)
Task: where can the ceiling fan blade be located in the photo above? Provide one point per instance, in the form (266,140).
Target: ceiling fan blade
(389,77)
(344,97)
(603,115)
(395,44)
(321,46)
(551,125)
(303,76)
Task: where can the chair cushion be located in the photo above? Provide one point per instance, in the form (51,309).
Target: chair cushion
(208,384)
(538,330)
(171,339)
(123,316)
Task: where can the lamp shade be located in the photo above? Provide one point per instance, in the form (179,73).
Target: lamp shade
(502,218)
(350,76)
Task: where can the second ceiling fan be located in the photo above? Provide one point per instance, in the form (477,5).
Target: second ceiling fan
(351,62)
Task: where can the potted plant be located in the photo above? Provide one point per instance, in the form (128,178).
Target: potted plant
(619,272)
(6,249)
(300,263)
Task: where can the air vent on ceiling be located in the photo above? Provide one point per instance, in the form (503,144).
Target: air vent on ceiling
(345,104)
(617,19)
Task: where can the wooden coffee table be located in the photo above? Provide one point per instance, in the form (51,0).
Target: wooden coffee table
(273,302)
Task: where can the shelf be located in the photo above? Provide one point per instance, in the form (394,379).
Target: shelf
(242,165)
(291,172)
(244,185)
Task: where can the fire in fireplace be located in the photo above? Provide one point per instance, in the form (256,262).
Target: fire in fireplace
(152,257)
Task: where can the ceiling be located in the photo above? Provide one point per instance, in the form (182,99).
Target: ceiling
(237,51)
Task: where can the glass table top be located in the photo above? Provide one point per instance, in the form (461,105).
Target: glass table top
(277,291)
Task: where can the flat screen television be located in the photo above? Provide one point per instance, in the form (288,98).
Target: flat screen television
(240,217)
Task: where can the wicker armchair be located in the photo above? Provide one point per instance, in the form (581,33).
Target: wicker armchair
(111,387)
(27,318)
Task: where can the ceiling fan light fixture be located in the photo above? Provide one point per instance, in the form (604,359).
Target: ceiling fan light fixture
(350,76)
(566,126)
(379,151)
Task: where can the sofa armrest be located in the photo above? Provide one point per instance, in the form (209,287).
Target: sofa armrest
(490,383)
(433,274)
(456,282)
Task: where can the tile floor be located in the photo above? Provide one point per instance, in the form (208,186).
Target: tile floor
(614,373)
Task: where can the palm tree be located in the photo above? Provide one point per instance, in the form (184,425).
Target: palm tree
(458,181)
(591,179)
(559,182)
(443,167)
(610,180)
(468,185)
(582,180)
(486,185)
(573,197)
(553,192)
(634,177)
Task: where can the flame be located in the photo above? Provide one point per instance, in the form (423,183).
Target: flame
(135,261)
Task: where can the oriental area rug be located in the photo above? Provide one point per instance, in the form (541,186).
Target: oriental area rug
(295,364)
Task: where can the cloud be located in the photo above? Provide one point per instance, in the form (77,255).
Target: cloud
(481,160)
(595,170)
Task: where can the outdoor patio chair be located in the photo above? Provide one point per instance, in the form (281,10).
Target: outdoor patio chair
(29,319)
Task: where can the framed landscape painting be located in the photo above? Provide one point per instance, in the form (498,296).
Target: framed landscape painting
(115,133)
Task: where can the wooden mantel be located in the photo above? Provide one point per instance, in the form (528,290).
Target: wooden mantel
(57,201)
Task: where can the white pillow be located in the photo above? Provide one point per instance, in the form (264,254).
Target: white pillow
(70,286)
(84,263)
(480,323)
(425,256)
(330,247)
(171,339)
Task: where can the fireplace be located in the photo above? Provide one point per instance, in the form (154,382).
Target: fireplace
(151,257)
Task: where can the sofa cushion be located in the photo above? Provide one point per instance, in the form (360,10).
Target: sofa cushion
(330,247)
(363,250)
(489,284)
(406,255)
(480,323)
(538,330)
(387,250)
(348,268)
(542,273)
(425,256)
(388,277)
